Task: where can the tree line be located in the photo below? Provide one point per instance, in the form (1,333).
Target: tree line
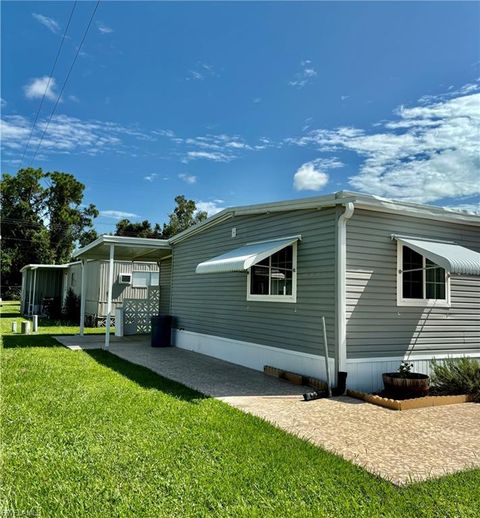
(44,220)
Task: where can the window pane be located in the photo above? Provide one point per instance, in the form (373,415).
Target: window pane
(259,280)
(412,281)
(154,278)
(435,278)
(281,282)
(140,279)
(283,258)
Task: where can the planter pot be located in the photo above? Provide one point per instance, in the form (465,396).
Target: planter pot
(414,384)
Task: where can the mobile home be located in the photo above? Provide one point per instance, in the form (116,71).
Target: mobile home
(393,280)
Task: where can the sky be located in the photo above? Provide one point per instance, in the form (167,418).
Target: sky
(234,103)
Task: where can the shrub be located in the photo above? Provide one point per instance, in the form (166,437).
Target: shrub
(456,376)
(71,309)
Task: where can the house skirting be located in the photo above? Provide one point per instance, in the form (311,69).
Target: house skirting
(365,374)
(252,355)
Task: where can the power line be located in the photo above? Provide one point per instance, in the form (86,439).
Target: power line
(48,83)
(66,79)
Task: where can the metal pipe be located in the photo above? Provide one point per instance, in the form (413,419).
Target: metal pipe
(327,363)
(83,296)
(109,295)
(341,274)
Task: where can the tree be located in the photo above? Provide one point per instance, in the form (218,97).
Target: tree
(184,215)
(25,238)
(41,225)
(68,222)
(125,227)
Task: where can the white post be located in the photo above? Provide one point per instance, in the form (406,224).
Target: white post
(83,296)
(29,307)
(34,289)
(109,295)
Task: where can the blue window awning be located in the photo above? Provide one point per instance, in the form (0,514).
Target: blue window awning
(243,258)
(450,256)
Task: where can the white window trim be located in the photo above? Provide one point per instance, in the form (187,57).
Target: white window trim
(439,303)
(277,298)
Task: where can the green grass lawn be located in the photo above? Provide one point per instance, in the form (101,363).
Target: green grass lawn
(89,434)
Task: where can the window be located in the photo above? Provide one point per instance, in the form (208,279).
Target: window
(144,279)
(420,281)
(274,278)
(154,278)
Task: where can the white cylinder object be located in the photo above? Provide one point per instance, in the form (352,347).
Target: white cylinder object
(35,323)
(14,327)
(119,321)
(25,327)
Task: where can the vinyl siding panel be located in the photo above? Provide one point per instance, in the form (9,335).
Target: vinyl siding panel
(165,284)
(376,326)
(215,304)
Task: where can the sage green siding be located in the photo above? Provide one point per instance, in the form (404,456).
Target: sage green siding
(376,326)
(215,304)
(165,284)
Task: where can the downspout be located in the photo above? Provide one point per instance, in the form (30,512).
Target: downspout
(341,295)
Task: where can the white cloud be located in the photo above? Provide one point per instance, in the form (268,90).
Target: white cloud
(208,155)
(469,208)
(150,177)
(201,71)
(305,75)
(47,22)
(190,179)
(309,177)
(117,214)
(68,134)
(104,29)
(38,86)
(210,207)
(74,98)
(429,152)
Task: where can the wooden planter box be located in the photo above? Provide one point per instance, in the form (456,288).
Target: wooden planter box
(408,404)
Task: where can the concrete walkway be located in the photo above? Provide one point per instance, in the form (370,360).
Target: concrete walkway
(402,447)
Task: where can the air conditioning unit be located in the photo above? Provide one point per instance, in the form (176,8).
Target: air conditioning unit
(125,278)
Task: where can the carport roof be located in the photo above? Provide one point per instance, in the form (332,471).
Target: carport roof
(126,249)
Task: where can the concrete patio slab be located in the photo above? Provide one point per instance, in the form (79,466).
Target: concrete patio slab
(402,447)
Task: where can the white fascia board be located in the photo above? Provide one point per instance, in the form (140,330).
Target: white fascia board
(160,244)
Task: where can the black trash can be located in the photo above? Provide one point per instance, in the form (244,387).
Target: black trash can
(161,331)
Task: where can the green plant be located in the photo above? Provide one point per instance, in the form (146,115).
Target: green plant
(405,369)
(71,309)
(456,376)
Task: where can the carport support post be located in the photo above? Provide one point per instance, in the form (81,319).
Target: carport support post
(109,295)
(29,307)
(83,296)
(34,289)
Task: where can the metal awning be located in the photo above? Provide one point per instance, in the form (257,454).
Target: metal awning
(243,258)
(454,258)
(126,249)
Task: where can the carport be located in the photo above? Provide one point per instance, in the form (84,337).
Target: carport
(113,248)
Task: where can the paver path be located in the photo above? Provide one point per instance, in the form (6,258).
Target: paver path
(402,447)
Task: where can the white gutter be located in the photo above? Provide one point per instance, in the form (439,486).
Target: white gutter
(341,296)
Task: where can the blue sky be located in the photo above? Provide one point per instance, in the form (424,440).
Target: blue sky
(238,103)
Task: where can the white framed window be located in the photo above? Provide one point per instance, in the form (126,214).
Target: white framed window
(154,278)
(275,278)
(420,282)
(140,279)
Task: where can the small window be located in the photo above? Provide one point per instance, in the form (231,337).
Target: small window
(154,278)
(140,279)
(420,281)
(274,278)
